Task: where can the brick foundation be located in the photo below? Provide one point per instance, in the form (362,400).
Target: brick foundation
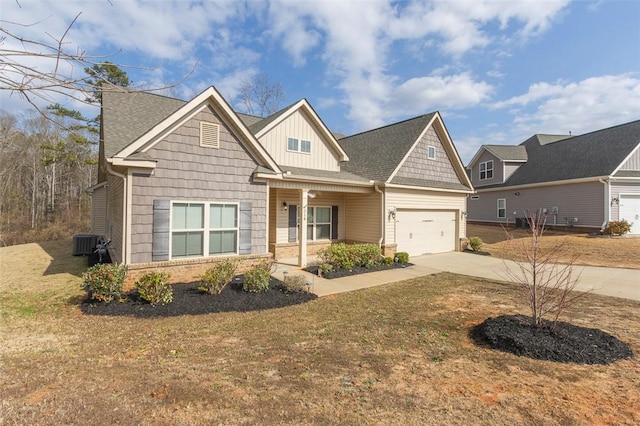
(188,270)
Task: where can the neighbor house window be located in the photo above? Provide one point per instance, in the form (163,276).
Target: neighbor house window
(486,170)
(295,145)
(318,223)
(502,208)
(431,152)
(199,229)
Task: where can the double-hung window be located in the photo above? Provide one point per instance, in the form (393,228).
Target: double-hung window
(502,208)
(203,229)
(486,170)
(298,145)
(431,152)
(318,223)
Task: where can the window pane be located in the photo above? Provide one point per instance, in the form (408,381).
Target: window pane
(309,232)
(292,144)
(179,216)
(194,243)
(489,174)
(195,216)
(223,242)
(310,212)
(323,232)
(305,146)
(179,244)
(229,216)
(323,215)
(482,166)
(215,216)
(229,241)
(432,152)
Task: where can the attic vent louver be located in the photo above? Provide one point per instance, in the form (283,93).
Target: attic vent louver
(209,135)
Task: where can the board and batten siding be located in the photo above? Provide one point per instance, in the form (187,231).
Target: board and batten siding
(186,171)
(363,215)
(497,170)
(115,219)
(633,162)
(299,126)
(292,197)
(423,200)
(584,201)
(418,166)
(618,188)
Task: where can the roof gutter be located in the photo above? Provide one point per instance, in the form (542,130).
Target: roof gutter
(607,207)
(375,187)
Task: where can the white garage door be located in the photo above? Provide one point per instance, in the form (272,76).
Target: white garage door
(423,231)
(630,211)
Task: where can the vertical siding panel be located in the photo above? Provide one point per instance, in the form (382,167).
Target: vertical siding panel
(633,162)
(363,217)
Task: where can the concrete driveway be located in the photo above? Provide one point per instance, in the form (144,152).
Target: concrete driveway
(617,282)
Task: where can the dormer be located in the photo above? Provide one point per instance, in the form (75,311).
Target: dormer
(494,164)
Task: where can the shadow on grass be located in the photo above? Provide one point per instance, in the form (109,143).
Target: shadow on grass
(188,300)
(62,260)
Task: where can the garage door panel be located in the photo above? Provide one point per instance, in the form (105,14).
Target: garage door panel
(630,211)
(424,231)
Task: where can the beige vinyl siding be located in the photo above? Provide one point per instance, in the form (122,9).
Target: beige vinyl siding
(497,170)
(621,188)
(115,219)
(298,125)
(363,214)
(510,168)
(418,166)
(186,171)
(584,201)
(291,197)
(99,211)
(633,162)
(274,206)
(423,200)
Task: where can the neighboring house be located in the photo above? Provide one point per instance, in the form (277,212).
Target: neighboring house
(183,183)
(577,181)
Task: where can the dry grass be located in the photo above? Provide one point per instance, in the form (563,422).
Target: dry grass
(618,252)
(395,354)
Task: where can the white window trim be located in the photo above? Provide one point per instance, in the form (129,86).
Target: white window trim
(206,230)
(212,130)
(498,208)
(299,144)
(486,170)
(313,234)
(429,147)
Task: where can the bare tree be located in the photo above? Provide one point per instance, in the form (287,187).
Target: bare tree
(549,284)
(60,71)
(260,96)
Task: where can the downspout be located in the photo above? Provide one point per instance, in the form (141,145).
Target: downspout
(124,210)
(607,196)
(375,187)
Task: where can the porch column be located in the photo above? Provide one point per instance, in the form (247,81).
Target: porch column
(302,232)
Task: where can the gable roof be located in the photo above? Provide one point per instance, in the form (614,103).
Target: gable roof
(508,152)
(127,136)
(262,127)
(592,155)
(378,154)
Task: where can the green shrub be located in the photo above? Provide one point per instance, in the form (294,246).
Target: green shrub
(617,227)
(402,257)
(294,283)
(214,280)
(104,281)
(387,261)
(475,243)
(154,287)
(257,279)
(337,255)
(347,256)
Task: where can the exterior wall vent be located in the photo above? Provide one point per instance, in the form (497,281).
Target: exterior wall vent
(209,135)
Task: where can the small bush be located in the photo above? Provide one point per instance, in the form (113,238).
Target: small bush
(104,281)
(475,243)
(347,256)
(402,257)
(154,287)
(214,280)
(617,227)
(257,279)
(337,255)
(294,284)
(387,261)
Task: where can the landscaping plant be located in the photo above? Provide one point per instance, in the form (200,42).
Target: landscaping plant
(257,279)
(294,283)
(104,281)
(475,243)
(214,280)
(348,256)
(154,287)
(617,227)
(402,257)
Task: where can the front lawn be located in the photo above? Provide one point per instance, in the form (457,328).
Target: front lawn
(394,354)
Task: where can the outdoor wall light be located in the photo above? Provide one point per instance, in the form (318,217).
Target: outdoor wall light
(615,200)
(284,205)
(517,194)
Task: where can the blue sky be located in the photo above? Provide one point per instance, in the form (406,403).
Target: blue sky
(498,71)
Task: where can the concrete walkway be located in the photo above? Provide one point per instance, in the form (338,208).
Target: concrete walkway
(617,282)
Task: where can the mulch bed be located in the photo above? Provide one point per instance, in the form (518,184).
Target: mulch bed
(356,270)
(564,343)
(188,300)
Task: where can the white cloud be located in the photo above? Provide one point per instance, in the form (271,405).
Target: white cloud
(579,107)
